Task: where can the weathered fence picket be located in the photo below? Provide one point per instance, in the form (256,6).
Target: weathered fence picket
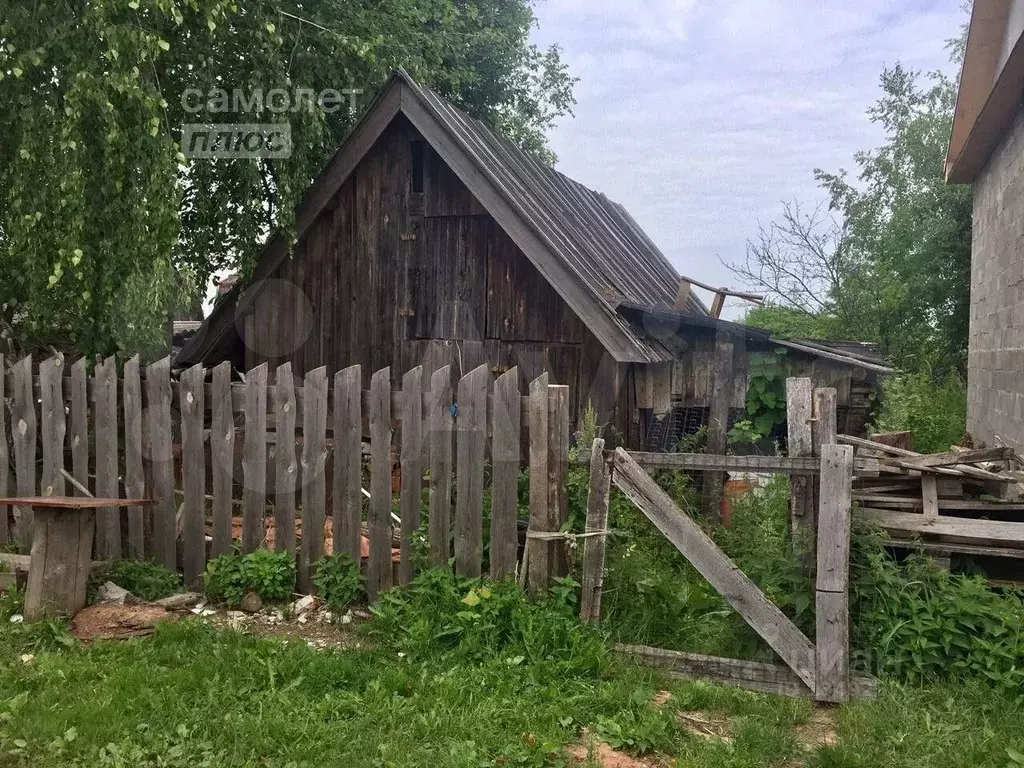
(539,557)
(171,441)
(598,499)
(193,475)
(314,482)
(285,463)
(254,459)
(222,457)
(412,466)
(378,576)
(134,477)
(348,495)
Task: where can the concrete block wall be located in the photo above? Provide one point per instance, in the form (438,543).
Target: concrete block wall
(995,381)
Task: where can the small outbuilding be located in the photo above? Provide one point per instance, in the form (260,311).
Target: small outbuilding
(430,240)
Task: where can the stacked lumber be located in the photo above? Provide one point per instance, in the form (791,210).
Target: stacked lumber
(965,500)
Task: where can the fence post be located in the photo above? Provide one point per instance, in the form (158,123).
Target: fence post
(718,425)
(558,470)
(412,466)
(193,472)
(594,546)
(504,474)
(798,440)
(379,524)
(823,432)
(536,558)
(832,582)
(254,459)
(285,462)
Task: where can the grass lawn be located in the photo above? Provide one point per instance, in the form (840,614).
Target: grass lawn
(196,696)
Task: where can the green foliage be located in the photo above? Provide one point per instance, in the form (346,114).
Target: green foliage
(106,226)
(338,581)
(933,408)
(919,623)
(144,579)
(790,323)
(765,406)
(271,575)
(441,614)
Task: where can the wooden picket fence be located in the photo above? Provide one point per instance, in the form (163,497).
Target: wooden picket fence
(176,442)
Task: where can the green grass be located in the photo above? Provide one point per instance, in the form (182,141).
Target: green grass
(195,696)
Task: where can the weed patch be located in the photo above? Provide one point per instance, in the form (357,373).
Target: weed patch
(271,575)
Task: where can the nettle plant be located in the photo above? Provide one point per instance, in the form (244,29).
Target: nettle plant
(765,407)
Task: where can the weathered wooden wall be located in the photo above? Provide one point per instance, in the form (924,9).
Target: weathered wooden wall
(392,276)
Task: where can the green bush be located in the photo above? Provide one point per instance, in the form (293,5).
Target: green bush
(441,613)
(338,581)
(271,575)
(143,578)
(916,622)
(933,408)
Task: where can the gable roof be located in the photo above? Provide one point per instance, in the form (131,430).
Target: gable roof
(586,246)
(991,80)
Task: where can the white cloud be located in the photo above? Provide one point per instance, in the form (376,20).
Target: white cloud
(701,117)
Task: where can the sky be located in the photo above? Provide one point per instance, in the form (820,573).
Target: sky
(702,116)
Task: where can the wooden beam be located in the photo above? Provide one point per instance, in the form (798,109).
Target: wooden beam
(682,295)
(714,565)
(799,406)
(716,304)
(776,679)
(955,528)
(594,547)
(757,298)
(718,424)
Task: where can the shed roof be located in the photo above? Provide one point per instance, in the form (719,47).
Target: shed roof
(587,247)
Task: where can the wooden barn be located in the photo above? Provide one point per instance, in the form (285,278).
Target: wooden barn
(429,240)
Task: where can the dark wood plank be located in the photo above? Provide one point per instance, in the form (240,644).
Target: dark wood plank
(314,478)
(538,560)
(597,522)
(440,420)
(286,464)
(347,491)
(775,679)
(823,432)
(379,524)
(108,519)
(53,426)
(412,466)
(254,459)
(714,565)
(193,470)
(832,600)
(60,563)
(222,454)
(158,437)
(134,476)
(471,443)
(505,454)
(23,428)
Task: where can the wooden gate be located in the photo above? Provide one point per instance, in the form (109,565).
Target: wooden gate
(819,670)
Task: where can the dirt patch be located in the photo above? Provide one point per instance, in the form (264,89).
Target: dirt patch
(819,731)
(706,725)
(606,757)
(118,622)
(318,629)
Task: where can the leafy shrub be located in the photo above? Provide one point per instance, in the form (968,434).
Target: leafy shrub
(934,409)
(442,613)
(271,575)
(338,581)
(919,623)
(143,578)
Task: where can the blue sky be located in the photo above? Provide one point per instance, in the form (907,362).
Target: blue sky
(702,116)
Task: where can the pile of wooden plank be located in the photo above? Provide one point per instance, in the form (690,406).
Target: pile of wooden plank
(963,501)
